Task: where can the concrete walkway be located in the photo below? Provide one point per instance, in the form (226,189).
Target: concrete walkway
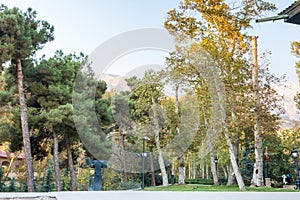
(147,195)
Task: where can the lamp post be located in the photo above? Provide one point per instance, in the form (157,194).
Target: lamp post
(143,162)
(295,156)
(216,162)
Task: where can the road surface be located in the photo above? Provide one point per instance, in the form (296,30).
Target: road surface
(147,195)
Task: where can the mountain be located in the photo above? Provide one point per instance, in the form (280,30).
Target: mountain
(291,117)
(288,90)
(114,82)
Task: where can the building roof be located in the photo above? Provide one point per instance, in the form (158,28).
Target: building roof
(4,154)
(293,11)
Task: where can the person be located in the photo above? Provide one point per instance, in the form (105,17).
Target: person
(284,179)
(289,179)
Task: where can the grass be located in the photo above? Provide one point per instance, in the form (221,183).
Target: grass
(210,188)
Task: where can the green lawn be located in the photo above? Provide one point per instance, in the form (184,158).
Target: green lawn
(210,188)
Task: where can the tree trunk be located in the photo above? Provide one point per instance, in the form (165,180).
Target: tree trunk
(190,168)
(225,172)
(25,129)
(123,156)
(202,169)
(181,171)
(235,166)
(207,172)
(9,167)
(157,142)
(162,168)
(71,168)
(161,161)
(173,171)
(258,179)
(56,162)
(231,177)
(213,168)
(152,166)
(181,165)
(194,168)
(210,134)
(221,105)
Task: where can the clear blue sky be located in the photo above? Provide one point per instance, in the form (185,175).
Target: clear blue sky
(81,26)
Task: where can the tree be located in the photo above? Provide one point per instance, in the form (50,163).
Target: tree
(47,184)
(121,113)
(52,96)
(147,112)
(21,35)
(178,65)
(218,29)
(174,77)
(295,49)
(92,115)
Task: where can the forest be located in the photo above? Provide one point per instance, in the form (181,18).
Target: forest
(221,124)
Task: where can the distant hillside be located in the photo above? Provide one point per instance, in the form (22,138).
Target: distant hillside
(114,82)
(290,118)
(292,115)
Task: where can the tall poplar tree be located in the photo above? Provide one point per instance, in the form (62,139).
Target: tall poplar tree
(21,35)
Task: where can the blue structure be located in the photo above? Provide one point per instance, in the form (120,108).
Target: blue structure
(95,182)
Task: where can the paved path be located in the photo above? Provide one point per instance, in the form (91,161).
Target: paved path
(147,195)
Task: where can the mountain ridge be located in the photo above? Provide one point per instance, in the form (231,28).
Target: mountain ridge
(288,90)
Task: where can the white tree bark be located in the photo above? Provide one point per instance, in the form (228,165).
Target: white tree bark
(202,169)
(233,158)
(162,167)
(157,142)
(231,176)
(214,169)
(181,164)
(257,179)
(181,171)
(207,171)
(219,112)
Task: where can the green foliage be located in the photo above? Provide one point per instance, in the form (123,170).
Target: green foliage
(200,181)
(247,157)
(111,180)
(82,179)
(87,98)
(148,90)
(130,185)
(65,180)
(12,186)
(47,184)
(295,50)
(2,185)
(21,34)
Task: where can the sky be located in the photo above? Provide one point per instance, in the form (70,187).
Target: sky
(81,26)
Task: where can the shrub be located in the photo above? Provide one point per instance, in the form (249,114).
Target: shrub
(200,181)
(130,185)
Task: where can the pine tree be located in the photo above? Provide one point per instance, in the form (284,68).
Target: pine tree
(21,35)
(47,184)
